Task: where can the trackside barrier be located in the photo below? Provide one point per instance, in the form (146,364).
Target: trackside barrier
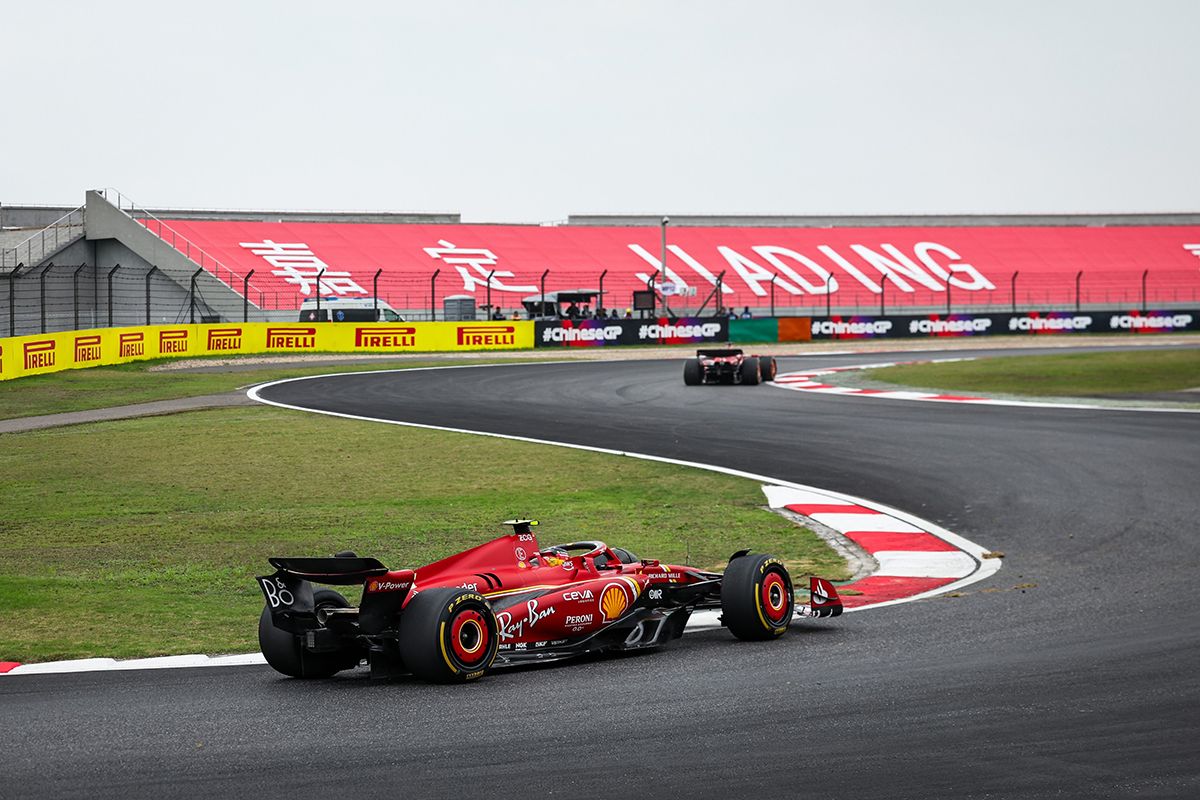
(800,329)
(52,352)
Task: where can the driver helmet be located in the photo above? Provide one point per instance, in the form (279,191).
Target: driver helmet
(554,556)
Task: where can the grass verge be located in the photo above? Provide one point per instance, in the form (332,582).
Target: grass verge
(142,537)
(125,384)
(1112,374)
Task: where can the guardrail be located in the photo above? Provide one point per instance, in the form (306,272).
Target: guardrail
(37,247)
(227,275)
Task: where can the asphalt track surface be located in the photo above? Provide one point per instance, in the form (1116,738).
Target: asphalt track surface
(1073,672)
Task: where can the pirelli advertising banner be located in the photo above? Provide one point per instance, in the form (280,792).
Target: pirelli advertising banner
(600,332)
(52,352)
(1031,322)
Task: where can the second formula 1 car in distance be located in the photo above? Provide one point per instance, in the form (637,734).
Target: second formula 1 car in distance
(728,366)
(508,602)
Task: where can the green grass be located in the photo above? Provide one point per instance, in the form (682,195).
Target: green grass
(124,384)
(1112,374)
(142,537)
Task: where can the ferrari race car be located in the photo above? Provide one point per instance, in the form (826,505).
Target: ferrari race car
(727,366)
(508,602)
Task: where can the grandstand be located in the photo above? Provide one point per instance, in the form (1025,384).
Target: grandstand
(111,262)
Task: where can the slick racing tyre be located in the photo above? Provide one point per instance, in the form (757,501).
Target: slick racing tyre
(766,368)
(756,598)
(448,635)
(285,652)
(692,372)
(749,370)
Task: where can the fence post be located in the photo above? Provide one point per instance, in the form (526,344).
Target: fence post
(192,296)
(542,307)
(433,295)
(319,274)
(246,296)
(489,293)
(42,295)
(602,274)
(75,291)
(1078,277)
(882,297)
(828,299)
(947,297)
(1145,272)
(149,274)
(111,272)
(12,300)
(1013,290)
(375,292)
(773,279)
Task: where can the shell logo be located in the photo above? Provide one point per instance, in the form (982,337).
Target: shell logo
(616,598)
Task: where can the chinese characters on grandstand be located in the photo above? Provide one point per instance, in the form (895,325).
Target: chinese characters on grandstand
(296,263)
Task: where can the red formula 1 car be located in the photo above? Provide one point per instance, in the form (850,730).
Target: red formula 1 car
(508,602)
(727,366)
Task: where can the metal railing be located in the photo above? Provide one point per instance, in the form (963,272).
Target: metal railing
(45,242)
(209,263)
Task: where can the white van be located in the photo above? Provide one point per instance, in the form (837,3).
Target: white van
(348,309)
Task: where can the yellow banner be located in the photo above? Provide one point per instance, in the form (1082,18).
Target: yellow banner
(52,352)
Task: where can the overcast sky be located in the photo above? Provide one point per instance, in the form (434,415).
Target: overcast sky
(530,111)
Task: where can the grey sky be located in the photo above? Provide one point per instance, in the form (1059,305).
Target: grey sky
(522,111)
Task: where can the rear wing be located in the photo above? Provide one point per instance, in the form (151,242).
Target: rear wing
(823,600)
(724,352)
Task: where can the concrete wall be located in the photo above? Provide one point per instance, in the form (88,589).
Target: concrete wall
(34,217)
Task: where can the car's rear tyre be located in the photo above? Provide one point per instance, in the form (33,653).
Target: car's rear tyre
(285,651)
(756,598)
(766,368)
(448,635)
(749,370)
(693,373)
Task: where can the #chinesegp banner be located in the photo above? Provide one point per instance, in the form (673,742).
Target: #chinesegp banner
(601,332)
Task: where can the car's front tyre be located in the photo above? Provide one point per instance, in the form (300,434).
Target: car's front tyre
(757,601)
